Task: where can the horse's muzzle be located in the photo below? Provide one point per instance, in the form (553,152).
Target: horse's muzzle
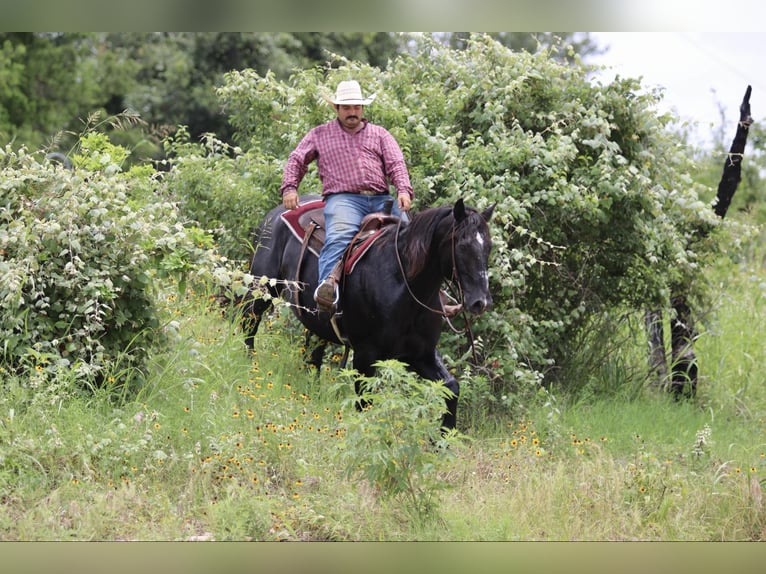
(479,305)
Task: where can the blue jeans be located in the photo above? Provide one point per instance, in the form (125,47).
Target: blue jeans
(343,214)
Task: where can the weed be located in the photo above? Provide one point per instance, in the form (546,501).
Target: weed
(395,443)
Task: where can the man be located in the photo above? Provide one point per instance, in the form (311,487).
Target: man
(356,161)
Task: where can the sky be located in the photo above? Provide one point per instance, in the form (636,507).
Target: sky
(698,71)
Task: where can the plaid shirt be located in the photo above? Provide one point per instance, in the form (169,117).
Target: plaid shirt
(365,160)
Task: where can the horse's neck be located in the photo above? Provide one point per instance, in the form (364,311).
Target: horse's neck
(430,277)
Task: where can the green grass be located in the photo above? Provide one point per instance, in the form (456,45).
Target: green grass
(221,444)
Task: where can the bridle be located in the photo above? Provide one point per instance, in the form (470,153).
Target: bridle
(454,279)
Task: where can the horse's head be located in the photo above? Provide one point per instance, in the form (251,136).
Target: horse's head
(470,244)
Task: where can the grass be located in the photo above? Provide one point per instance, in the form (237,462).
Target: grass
(221,444)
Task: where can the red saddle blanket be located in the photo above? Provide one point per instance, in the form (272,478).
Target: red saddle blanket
(298,221)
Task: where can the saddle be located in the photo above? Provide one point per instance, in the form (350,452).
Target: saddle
(307,224)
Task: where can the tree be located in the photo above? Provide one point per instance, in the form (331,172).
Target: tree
(684,370)
(46,85)
(532,42)
(49,82)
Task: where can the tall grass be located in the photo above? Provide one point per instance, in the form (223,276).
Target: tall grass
(223,444)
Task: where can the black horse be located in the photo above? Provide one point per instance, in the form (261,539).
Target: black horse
(389,305)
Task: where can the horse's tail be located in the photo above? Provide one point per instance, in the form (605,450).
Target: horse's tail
(60,158)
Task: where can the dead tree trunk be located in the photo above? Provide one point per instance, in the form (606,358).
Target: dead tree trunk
(683,363)
(732,167)
(683,360)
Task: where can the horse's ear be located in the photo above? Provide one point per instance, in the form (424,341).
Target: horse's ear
(458,211)
(487,213)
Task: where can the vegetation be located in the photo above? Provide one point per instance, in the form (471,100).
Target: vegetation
(50,80)
(130,409)
(80,249)
(222,445)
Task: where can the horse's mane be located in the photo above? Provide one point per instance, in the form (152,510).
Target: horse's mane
(417,236)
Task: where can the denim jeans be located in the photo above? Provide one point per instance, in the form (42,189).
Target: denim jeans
(343,214)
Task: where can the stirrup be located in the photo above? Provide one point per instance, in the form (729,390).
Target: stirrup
(324,300)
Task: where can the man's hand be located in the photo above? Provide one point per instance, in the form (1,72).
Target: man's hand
(404,201)
(290,199)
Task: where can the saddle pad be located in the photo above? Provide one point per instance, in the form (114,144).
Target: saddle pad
(294,219)
(298,219)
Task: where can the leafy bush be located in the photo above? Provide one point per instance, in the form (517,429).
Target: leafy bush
(221,188)
(597,211)
(80,256)
(395,444)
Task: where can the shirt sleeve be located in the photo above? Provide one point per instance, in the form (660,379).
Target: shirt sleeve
(395,166)
(298,163)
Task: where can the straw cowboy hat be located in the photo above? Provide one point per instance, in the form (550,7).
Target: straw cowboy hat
(349,93)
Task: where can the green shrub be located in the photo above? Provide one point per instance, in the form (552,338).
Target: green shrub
(81,252)
(222,189)
(597,210)
(395,443)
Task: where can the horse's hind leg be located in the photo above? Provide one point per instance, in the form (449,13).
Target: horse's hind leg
(317,348)
(363,365)
(251,319)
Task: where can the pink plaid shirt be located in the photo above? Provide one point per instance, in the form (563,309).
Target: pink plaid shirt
(365,160)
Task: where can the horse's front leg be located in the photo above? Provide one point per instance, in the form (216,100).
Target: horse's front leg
(432,368)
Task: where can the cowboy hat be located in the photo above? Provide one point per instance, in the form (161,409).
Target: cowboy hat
(349,93)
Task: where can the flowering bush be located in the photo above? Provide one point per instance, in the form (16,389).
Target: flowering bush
(80,255)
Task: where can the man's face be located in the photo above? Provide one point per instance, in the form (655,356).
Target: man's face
(350,116)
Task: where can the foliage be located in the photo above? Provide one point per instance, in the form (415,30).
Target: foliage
(597,218)
(393,443)
(45,85)
(532,42)
(597,210)
(221,444)
(80,251)
(48,81)
(221,188)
